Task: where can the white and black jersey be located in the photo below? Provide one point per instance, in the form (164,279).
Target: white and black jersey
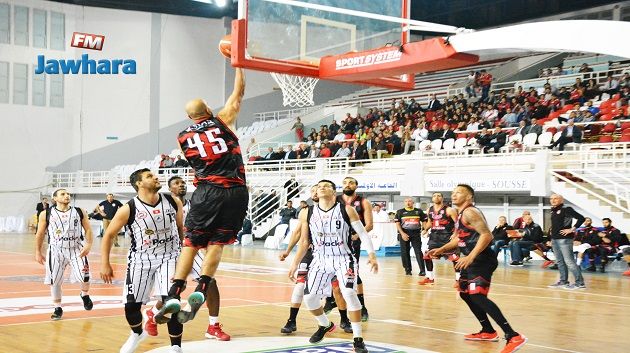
(329,231)
(64,228)
(153,229)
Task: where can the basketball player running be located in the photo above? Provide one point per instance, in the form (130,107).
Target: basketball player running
(218,205)
(440,223)
(68,244)
(473,238)
(155,225)
(364,209)
(327,228)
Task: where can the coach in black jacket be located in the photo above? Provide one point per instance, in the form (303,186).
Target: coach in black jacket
(562,231)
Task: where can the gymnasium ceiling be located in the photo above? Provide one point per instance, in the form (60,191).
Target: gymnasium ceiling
(487,13)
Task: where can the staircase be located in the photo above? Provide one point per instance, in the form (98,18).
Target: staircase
(600,193)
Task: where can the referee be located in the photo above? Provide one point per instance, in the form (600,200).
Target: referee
(409,224)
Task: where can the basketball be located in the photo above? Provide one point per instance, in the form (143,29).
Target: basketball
(225,46)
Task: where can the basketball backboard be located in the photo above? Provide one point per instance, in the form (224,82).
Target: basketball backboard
(292,36)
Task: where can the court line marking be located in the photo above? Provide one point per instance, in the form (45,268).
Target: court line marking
(408,323)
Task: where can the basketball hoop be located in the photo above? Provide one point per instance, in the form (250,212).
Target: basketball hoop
(297,91)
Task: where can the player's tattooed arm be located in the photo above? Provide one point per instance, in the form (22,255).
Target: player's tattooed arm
(475,219)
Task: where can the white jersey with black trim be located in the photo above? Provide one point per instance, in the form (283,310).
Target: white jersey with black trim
(64,228)
(330,231)
(153,230)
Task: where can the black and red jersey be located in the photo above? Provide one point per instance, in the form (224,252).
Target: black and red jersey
(584,233)
(468,238)
(213,152)
(357,203)
(441,221)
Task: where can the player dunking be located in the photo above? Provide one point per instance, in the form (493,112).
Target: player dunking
(155,226)
(364,209)
(440,223)
(298,289)
(218,205)
(68,244)
(478,262)
(326,227)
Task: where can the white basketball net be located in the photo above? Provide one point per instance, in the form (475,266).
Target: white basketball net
(297,91)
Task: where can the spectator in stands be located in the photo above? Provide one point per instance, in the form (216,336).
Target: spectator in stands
(519,223)
(611,86)
(269,155)
(531,234)
(314,151)
(585,237)
(325,151)
(585,68)
(509,119)
(471,82)
(446,133)
(435,133)
(334,127)
(180,163)
(483,138)
(419,134)
(497,140)
(534,127)
(289,154)
(473,124)
(288,213)
(562,229)
(166,162)
(490,113)
(414,106)
(359,151)
(278,155)
(591,90)
(299,130)
(499,234)
(303,151)
(625,92)
(340,136)
(521,129)
(578,84)
(291,188)
(434,104)
(246,229)
(344,151)
(485,80)
(380,147)
(611,239)
(570,134)
(107,209)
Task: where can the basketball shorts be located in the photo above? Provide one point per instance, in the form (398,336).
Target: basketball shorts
(580,249)
(57,259)
(437,240)
(146,277)
(324,268)
(216,215)
(476,278)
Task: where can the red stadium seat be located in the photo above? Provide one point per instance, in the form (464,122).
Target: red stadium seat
(609,128)
(624,138)
(625,126)
(605,139)
(553,130)
(606,117)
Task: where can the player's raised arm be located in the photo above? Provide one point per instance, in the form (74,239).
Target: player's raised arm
(358,227)
(232,106)
(120,219)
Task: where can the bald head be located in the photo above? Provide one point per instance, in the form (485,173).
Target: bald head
(556,200)
(198,109)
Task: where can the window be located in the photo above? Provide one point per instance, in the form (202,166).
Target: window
(56,91)
(39,90)
(625,14)
(5,23)
(39,28)
(57,30)
(20,28)
(4,82)
(20,83)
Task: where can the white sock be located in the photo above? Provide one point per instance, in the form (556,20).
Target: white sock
(213,320)
(356,329)
(155,310)
(579,261)
(322,320)
(430,275)
(457,274)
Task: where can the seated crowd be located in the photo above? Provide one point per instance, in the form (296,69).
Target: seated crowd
(490,119)
(598,244)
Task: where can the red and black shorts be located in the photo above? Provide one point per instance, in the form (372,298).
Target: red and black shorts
(476,278)
(216,215)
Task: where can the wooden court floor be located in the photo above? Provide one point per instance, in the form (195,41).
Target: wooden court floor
(255,296)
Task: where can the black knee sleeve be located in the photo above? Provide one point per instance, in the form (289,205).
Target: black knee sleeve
(204,282)
(177,288)
(133,314)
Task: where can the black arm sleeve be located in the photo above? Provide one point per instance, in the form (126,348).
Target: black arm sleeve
(578,217)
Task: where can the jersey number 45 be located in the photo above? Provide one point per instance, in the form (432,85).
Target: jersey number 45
(218,144)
